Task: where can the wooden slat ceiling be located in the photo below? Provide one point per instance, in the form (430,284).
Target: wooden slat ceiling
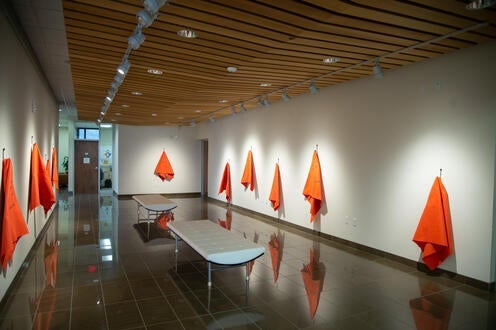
(280,42)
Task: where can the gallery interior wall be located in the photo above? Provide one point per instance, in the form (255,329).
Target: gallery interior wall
(138,152)
(381,143)
(22,89)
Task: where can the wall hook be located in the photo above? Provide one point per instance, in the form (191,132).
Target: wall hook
(440,172)
(3,153)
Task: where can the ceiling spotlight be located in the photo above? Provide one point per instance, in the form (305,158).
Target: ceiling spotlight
(313,88)
(136,93)
(480,4)
(124,67)
(187,33)
(285,95)
(155,71)
(231,69)
(267,101)
(211,118)
(378,69)
(115,85)
(233,110)
(146,18)
(330,60)
(259,102)
(153,6)
(136,39)
(118,78)
(242,107)
(265,84)
(223,101)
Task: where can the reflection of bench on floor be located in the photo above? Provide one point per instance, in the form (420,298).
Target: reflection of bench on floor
(154,205)
(217,245)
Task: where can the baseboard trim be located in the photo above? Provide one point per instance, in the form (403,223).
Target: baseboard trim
(491,286)
(172,195)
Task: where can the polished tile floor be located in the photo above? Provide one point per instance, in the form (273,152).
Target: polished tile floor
(95,269)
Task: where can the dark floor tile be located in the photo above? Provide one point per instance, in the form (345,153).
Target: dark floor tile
(145,288)
(171,284)
(23,304)
(88,295)
(214,300)
(172,325)
(116,291)
(55,300)
(156,310)
(52,320)
(184,305)
(89,318)
(16,323)
(86,275)
(123,315)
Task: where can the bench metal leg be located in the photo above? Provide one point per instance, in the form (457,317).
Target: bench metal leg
(209,275)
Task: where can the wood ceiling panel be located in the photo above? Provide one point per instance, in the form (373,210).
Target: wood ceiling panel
(282,42)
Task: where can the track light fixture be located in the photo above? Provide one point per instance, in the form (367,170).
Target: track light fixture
(124,67)
(145,18)
(153,6)
(267,101)
(378,69)
(313,88)
(242,107)
(285,95)
(259,102)
(136,39)
(480,4)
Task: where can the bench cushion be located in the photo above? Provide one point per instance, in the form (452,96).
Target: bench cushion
(155,202)
(215,243)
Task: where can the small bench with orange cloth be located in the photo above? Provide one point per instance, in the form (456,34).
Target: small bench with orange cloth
(157,207)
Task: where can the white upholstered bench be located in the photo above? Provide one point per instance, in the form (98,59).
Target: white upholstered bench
(217,245)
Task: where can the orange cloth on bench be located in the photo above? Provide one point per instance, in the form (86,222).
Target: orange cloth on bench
(248,177)
(434,234)
(313,187)
(225,183)
(275,191)
(164,168)
(13,223)
(40,191)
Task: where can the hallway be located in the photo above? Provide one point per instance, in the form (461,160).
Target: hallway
(93,268)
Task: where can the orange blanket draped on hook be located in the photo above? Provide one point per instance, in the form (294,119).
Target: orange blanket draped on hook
(40,192)
(434,234)
(164,168)
(55,172)
(313,187)
(225,183)
(275,191)
(313,279)
(248,177)
(13,223)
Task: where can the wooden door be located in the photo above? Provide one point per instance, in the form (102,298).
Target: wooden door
(86,167)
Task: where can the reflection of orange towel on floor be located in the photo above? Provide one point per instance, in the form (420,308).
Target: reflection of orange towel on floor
(163,220)
(313,279)
(313,187)
(434,234)
(13,223)
(275,192)
(55,172)
(51,255)
(40,191)
(275,249)
(226,223)
(164,168)
(432,311)
(249,172)
(225,183)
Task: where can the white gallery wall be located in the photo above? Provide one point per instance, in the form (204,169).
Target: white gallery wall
(381,143)
(138,150)
(22,90)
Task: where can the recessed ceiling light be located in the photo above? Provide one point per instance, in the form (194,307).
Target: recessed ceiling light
(154,115)
(155,71)
(223,101)
(329,60)
(198,111)
(265,84)
(113,119)
(118,114)
(187,33)
(232,69)
(180,117)
(125,105)
(136,93)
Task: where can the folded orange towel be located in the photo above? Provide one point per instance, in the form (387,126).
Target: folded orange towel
(434,234)
(41,191)
(313,187)
(13,223)
(248,177)
(275,191)
(225,183)
(164,168)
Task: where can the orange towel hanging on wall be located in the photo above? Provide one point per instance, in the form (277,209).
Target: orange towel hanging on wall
(275,191)
(313,187)
(248,177)
(225,183)
(434,234)
(40,191)
(164,168)
(13,223)
(55,172)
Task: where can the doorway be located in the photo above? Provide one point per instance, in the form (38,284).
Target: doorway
(86,167)
(204,168)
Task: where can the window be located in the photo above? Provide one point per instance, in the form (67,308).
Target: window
(88,133)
